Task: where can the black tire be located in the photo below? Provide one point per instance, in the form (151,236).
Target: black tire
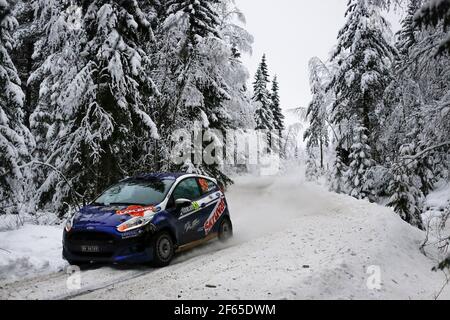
(225,230)
(163,249)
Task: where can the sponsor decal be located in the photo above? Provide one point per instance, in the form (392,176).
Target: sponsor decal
(108,208)
(193,207)
(215,216)
(132,234)
(191,225)
(136,211)
(203,185)
(206,186)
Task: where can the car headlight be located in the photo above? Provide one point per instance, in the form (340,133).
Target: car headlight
(135,223)
(69,223)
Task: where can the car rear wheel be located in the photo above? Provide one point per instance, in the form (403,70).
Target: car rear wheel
(163,249)
(225,230)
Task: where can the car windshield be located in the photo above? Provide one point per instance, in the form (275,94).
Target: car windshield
(144,192)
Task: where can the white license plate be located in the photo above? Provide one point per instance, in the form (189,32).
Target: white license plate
(90,249)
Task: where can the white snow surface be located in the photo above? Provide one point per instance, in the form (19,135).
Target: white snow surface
(293,240)
(30,251)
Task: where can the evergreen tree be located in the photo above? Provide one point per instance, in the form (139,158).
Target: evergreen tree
(15,139)
(364,73)
(56,55)
(102,103)
(201,16)
(407,34)
(26,36)
(337,175)
(193,76)
(414,119)
(437,14)
(261,98)
(365,59)
(312,172)
(278,116)
(358,184)
(406,198)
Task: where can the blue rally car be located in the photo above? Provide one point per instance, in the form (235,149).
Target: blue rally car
(148,219)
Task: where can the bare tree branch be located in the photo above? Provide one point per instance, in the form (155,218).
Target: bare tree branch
(427,150)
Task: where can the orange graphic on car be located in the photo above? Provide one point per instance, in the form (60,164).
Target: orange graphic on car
(204,185)
(136,211)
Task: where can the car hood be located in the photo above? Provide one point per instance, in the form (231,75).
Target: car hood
(103,216)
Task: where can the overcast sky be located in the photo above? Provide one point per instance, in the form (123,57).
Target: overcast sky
(291,32)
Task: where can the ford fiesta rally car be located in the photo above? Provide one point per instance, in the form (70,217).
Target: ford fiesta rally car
(148,219)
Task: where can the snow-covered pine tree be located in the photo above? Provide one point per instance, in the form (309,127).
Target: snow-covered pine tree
(15,139)
(433,72)
(261,98)
(317,133)
(25,37)
(201,16)
(424,97)
(336,177)
(103,105)
(275,106)
(407,34)
(402,117)
(415,128)
(406,198)
(193,75)
(365,56)
(56,60)
(364,72)
(436,13)
(358,184)
(312,171)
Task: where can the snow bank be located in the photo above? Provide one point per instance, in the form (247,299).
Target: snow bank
(10,222)
(30,251)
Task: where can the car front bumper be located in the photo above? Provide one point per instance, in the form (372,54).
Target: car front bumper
(107,246)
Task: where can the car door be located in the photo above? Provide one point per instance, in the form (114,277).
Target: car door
(190,219)
(213,204)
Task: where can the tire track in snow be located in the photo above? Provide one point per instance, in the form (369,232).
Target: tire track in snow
(94,278)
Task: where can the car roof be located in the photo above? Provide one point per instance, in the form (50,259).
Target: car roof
(161,175)
(170,175)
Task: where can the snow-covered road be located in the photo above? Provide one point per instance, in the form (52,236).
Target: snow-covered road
(293,240)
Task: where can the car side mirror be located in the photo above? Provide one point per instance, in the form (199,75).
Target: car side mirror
(183,203)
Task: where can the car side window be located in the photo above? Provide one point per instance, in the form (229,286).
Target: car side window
(207,186)
(187,189)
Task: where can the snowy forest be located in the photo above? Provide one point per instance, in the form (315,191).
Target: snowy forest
(92,90)
(379,121)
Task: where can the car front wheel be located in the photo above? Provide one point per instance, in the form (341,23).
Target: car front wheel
(163,249)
